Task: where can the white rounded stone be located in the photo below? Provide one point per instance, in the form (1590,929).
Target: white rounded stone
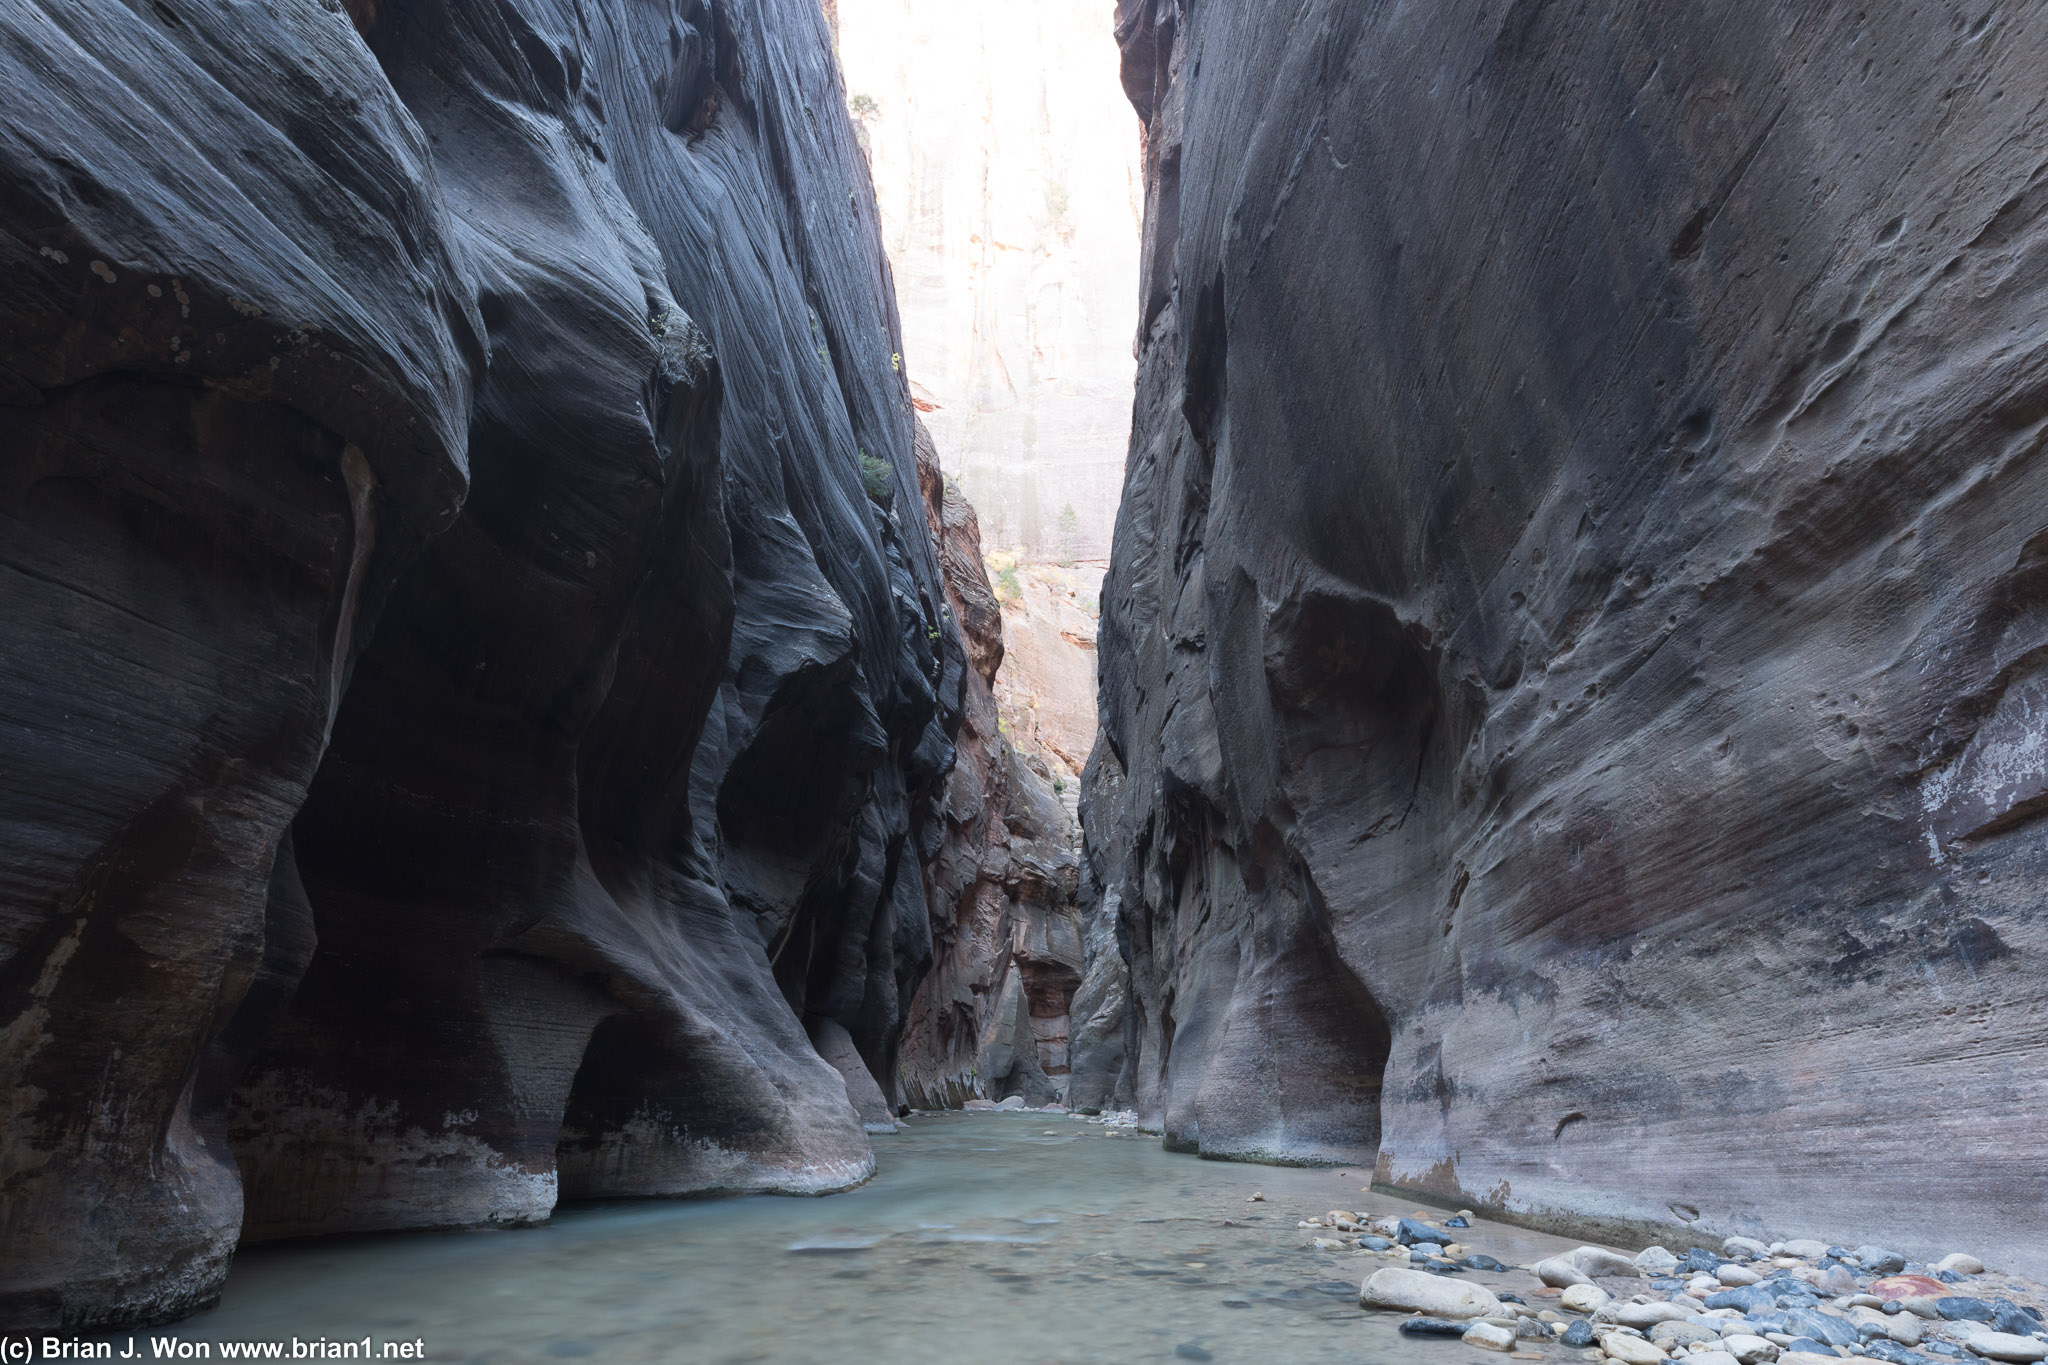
(1416,1291)
(1489,1336)
(1584,1298)
(2005,1346)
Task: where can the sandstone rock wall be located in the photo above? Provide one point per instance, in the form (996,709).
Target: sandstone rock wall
(1572,659)
(1006,168)
(992,1018)
(474,690)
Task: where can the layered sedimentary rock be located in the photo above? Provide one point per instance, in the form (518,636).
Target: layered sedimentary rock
(992,1018)
(1006,169)
(1573,657)
(473,697)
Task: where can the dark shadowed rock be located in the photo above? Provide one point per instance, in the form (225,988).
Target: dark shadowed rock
(476,688)
(1573,653)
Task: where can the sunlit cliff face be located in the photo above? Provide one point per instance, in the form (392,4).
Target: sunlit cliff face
(1005,160)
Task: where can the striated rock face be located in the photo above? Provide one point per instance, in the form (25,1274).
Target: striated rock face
(1006,168)
(470,736)
(1573,656)
(992,1019)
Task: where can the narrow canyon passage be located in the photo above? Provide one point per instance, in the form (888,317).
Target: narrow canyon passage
(1279,682)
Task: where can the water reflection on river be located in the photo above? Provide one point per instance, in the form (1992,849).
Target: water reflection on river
(984,1237)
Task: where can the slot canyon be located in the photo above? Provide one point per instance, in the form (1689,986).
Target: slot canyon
(1266,682)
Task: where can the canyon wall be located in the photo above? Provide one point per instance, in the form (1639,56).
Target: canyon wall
(1575,653)
(1006,167)
(992,1018)
(476,687)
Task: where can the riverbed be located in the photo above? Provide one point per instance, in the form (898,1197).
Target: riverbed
(983,1237)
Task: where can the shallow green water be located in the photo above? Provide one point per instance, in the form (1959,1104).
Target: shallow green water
(983,1237)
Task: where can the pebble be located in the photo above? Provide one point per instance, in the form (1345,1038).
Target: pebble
(1584,1298)
(1667,1334)
(1834,1331)
(1433,1327)
(1326,1244)
(1809,1358)
(1416,1291)
(1960,1263)
(1631,1350)
(1878,1260)
(1559,1273)
(1255,1198)
(1578,1334)
(1805,1248)
(1710,1358)
(1409,1232)
(1746,1246)
(1480,1262)
(1656,1261)
(1750,1350)
(2006,1346)
(1643,1316)
(1490,1336)
(1958,1308)
(1747,1299)
(1735,1276)
(1598,1261)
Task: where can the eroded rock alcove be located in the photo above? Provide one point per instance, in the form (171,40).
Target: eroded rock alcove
(1569,659)
(477,679)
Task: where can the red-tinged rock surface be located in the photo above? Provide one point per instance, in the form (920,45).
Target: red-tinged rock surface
(991,1021)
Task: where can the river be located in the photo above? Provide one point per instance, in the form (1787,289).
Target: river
(983,1237)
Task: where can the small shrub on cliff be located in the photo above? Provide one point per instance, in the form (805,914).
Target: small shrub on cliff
(875,480)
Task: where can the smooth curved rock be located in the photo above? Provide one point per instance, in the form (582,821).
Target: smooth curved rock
(491,692)
(1417,1291)
(1573,653)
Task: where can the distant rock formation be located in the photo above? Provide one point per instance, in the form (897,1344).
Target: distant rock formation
(1006,169)
(1573,658)
(476,690)
(992,1018)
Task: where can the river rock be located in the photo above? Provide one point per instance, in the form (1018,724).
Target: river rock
(1749,1349)
(1415,1291)
(1821,1326)
(1577,1334)
(1655,1261)
(1756,1298)
(1963,1308)
(1643,1316)
(1735,1276)
(1902,1287)
(1805,1248)
(1584,1298)
(1559,1273)
(1409,1232)
(2007,1346)
(1877,1260)
(1678,1333)
(1490,1336)
(1598,1262)
(1745,1246)
(1711,1358)
(1961,1263)
(1630,1350)
(1433,1327)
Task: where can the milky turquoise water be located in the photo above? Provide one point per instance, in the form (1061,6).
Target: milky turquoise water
(983,1237)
